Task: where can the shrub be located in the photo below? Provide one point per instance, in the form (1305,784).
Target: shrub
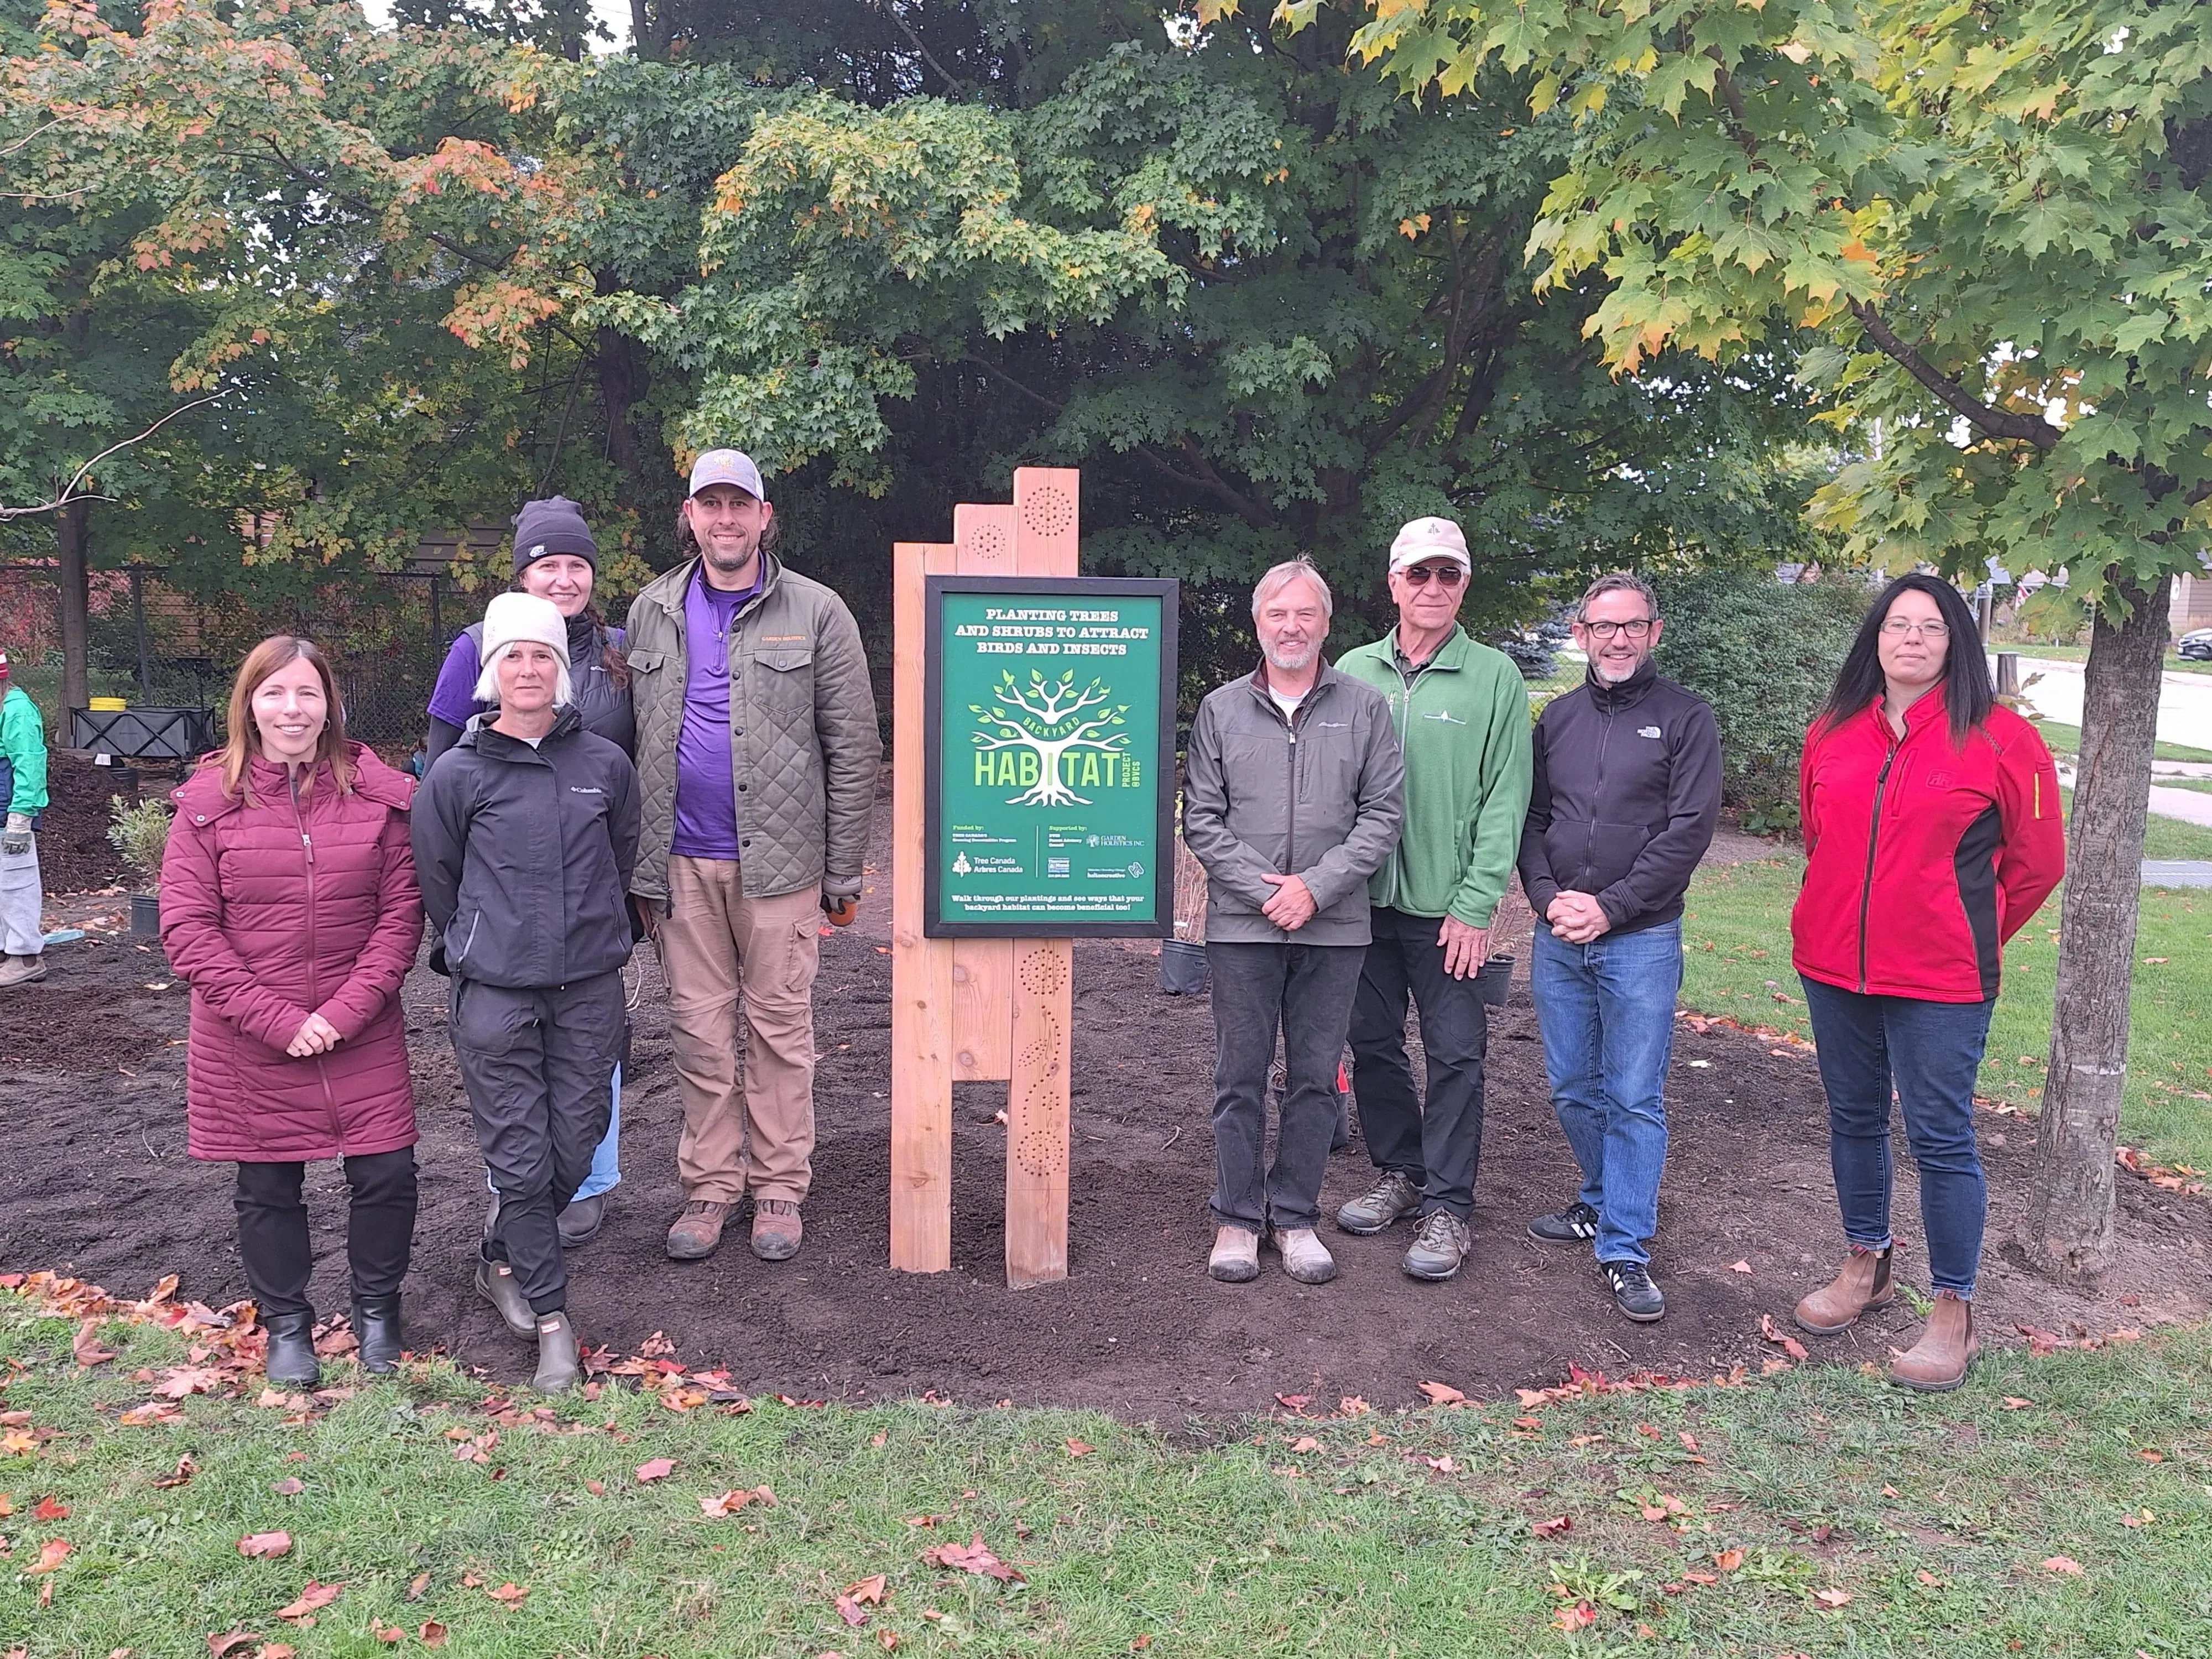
(1764,655)
(139,833)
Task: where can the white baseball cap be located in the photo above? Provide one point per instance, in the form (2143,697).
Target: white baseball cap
(728,466)
(1430,539)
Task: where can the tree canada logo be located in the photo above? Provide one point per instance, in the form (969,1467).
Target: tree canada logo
(1047,741)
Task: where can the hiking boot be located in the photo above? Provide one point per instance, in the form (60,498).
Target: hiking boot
(376,1327)
(1305,1258)
(1391,1199)
(1576,1223)
(496,1283)
(291,1357)
(1861,1287)
(1633,1292)
(1236,1258)
(559,1363)
(1939,1361)
(21,970)
(698,1230)
(1440,1244)
(580,1223)
(776,1228)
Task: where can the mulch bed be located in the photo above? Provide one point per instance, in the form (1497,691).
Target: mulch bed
(95,1182)
(74,851)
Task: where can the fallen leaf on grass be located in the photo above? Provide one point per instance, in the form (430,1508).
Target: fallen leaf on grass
(1688,1440)
(510,1594)
(1305,1443)
(223,1643)
(596,1488)
(2149,1456)
(180,1379)
(655,1469)
(1831,1599)
(1697,1576)
(50,1509)
(1352,1405)
(871,1589)
(185,1470)
(724,1504)
(88,1351)
(416,1585)
(1727,1560)
(1577,1617)
(973,1557)
(19,1442)
(2013,1403)
(387,1632)
(1442,1393)
(854,1600)
(1781,1339)
(265,1543)
(1930,1579)
(290,1486)
(1554,1527)
(1078,1449)
(153,1411)
(315,1595)
(51,1553)
(2063,1563)
(433,1633)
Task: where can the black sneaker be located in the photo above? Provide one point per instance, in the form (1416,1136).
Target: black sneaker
(1577,1222)
(1633,1292)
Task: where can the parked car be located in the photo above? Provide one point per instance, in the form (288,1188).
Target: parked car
(2196,643)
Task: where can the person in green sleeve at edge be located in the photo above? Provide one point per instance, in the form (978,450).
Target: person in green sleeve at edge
(23,787)
(1462,718)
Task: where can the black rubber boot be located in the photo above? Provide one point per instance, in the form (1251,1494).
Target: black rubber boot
(559,1363)
(291,1359)
(376,1327)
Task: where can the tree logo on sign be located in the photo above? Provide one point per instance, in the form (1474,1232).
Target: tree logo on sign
(1048,740)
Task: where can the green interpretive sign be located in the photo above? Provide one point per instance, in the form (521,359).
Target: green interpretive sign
(1050,776)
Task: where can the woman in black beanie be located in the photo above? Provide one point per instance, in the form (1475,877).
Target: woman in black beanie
(556,558)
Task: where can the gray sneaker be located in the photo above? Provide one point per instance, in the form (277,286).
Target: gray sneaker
(1388,1200)
(1439,1245)
(21,970)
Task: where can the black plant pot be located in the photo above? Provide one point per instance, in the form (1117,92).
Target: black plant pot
(1493,980)
(1183,967)
(146,915)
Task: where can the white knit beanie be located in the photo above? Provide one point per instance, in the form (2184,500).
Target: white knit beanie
(513,619)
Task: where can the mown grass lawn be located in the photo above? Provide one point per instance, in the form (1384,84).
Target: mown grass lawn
(2062,739)
(1735,934)
(2056,1506)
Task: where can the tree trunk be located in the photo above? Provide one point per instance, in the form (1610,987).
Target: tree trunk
(2068,1236)
(70,534)
(623,380)
(649,30)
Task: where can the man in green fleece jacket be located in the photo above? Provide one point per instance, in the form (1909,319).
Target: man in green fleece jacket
(22,798)
(1462,718)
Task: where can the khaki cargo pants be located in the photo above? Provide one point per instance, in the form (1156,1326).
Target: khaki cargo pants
(718,949)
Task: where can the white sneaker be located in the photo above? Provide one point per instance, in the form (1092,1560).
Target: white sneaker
(1305,1258)
(1236,1258)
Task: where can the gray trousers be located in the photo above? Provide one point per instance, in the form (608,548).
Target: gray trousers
(1306,992)
(538,1065)
(21,935)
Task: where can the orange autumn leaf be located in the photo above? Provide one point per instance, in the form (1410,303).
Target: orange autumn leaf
(51,1553)
(265,1544)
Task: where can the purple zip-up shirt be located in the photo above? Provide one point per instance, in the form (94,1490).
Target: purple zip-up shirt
(705,785)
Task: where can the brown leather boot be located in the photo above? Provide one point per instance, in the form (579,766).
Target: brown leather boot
(1862,1286)
(777,1229)
(1938,1361)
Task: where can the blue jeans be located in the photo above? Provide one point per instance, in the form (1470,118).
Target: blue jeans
(1931,1051)
(606,1157)
(1606,1011)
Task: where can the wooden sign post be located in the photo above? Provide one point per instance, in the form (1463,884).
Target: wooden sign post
(1033,725)
(973,1009)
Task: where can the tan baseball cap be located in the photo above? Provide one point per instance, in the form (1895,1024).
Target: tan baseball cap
(1430,539)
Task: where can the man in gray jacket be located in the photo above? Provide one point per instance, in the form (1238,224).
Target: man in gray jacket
(1292,797)
(756,755)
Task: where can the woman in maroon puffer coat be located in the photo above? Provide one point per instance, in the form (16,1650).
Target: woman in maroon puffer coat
(288,902)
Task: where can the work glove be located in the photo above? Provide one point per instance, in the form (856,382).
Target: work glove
(17,837)
(841,910)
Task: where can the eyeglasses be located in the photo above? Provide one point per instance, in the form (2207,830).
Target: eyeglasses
(1636,627)
(1897,627)
(1420,574)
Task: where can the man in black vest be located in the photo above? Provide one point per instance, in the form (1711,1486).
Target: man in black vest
(1627,792)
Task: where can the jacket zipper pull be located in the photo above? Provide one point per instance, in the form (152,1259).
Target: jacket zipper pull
(309,842)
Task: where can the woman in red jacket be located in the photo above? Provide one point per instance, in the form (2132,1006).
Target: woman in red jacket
(288,902)
(1932,833)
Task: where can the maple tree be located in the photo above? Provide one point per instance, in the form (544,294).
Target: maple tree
(1993,216)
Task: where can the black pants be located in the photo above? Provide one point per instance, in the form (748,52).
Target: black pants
(272,1228)
(1306,992)
(538,1065)
(1439,1146)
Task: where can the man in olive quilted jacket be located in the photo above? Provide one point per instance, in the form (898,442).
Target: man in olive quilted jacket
(757,755)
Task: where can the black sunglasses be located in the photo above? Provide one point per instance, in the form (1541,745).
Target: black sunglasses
(1420,574)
